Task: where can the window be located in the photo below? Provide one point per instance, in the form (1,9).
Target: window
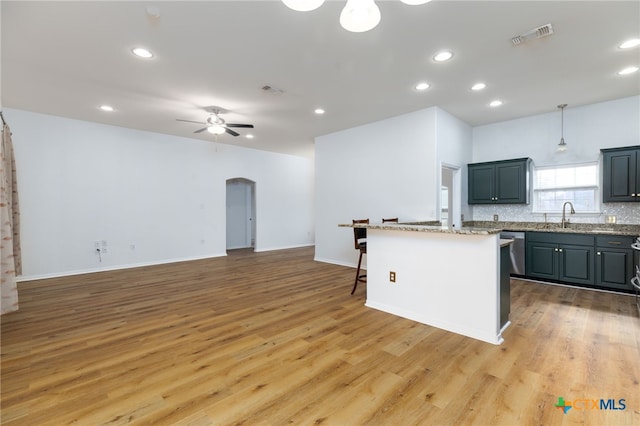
(554,185)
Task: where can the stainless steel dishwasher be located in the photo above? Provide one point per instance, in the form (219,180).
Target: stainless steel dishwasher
(516,251)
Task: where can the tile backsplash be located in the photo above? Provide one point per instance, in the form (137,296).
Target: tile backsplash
(625,213)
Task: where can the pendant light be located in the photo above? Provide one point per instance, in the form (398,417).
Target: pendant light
(562,146)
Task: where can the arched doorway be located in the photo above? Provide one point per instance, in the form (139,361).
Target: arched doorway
(241,209)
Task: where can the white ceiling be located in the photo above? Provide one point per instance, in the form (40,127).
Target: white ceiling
(68,58)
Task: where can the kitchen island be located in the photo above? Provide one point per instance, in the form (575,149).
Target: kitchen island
(444,277)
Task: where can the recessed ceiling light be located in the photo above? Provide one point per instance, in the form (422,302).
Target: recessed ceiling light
(107,108)
(478,86)
(422,86)
(249,136)
(628,70)
(445,55)
(630,43)
(319,111)
(495,103)
(141,52)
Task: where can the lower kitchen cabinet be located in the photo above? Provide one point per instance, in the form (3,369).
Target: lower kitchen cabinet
(614,262)
(548,257)
(604,261)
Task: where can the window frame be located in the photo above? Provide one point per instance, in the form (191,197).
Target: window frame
(595,187)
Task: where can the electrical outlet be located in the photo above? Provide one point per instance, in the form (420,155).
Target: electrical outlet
(495,217)
(392,276)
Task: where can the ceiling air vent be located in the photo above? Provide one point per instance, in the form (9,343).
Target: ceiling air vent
(543,31)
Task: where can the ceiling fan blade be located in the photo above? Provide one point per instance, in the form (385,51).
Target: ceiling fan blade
(231,132)
(189,121)
(201,130)
(245,126)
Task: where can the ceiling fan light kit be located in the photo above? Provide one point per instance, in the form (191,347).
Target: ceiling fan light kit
(216,129)
(357,16)
(216,124)
(303,5)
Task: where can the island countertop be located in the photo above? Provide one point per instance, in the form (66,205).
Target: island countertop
(465,230)
(489,228)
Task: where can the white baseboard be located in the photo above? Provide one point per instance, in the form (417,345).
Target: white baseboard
(24,278)
(338,262)
(261,249)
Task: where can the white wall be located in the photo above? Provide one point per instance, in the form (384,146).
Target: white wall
(587,129)
(154,198)
(454,148)
(383,169)
(390,168)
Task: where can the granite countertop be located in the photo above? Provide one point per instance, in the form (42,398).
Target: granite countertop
(419,227)
(572,228)
(489,228)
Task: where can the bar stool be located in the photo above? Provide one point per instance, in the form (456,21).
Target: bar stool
(393,220)
(360,241)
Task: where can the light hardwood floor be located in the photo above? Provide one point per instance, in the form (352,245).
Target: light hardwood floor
(275,338)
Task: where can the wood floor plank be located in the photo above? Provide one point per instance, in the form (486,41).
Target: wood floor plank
(274,338)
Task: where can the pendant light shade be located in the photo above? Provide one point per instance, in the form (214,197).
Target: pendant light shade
(562,146)
(359,16)
(303,5)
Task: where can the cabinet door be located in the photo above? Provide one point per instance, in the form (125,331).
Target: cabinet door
(542,260)
(620,176)
(614,268)
(576,264)
(511,185)
(481,184)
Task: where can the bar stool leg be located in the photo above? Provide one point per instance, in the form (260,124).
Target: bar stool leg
(358,276)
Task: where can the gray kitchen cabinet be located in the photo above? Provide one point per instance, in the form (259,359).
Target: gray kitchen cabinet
(560,257)
(604,261)
(499,182)
(621,174)
(614,262)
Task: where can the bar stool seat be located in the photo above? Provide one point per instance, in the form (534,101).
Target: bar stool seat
(360,241)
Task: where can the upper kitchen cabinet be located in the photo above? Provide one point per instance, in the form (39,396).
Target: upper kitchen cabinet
(621,174)
(499,182)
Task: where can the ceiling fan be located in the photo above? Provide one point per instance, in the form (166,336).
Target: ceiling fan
(216,124)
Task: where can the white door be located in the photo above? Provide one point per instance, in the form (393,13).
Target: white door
(239,214)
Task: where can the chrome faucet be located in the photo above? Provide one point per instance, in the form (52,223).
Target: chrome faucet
(572,211)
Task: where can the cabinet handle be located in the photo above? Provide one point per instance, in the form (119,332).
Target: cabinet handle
(614,242)
(633,195)
(598,253)
(555,249)
(560,250)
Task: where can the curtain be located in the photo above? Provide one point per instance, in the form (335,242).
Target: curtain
(10,254)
